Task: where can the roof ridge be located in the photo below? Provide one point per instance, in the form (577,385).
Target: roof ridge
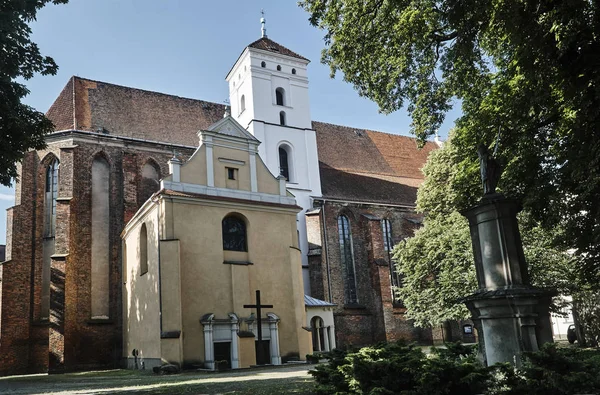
(371,130)
(147,90)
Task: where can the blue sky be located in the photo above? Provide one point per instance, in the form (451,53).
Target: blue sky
(185,48)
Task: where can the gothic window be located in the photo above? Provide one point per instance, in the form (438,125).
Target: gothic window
(242,104)
(282,118)
(143,250)
(347,260)
(234,234)
(100,238)
(50,198)
(263,64)
(386,229)
(278,67)
(284,168)
(280,96)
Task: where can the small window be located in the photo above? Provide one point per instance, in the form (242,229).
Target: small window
(263,64)
(242,104)
(280,96)
(239,76)
(278,68)
(244,67)
(143,250)
(282,118)
(293,71)
(234,234)
(284,168)
(230,173)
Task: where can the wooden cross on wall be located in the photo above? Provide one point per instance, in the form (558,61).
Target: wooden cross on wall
(258,308)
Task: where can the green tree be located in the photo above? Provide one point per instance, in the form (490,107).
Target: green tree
(528,69)
(21,127)
(437,263)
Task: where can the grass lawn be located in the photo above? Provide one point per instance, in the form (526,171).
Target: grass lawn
(287,380)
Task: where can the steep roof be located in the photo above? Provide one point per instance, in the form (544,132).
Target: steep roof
(370,166)
(267,44)
(355,164)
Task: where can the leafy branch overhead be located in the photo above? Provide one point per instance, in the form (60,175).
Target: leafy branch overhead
(528,68)
(21,127)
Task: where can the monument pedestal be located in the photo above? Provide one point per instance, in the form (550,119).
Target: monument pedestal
(510,315)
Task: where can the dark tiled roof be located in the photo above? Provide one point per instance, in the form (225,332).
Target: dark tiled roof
(365,165)
(267,44)
(131,112)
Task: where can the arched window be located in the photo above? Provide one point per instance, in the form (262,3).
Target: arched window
(143,250)
(318,334)
(234,234)
(278,67)
(263,64)
(282,118)
(293,71)
(280,96)
(347,259)
(284,168)
(242,104)
(50,198)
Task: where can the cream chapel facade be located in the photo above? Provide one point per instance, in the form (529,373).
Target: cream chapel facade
(150,220)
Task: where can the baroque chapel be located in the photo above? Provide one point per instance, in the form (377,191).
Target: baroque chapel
(66,285)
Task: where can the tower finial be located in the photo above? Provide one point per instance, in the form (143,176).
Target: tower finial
(263,28)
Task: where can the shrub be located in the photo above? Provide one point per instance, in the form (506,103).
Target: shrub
(398,368)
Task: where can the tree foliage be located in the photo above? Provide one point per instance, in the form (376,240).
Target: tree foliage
(437,263)
(528,69)
(21,127)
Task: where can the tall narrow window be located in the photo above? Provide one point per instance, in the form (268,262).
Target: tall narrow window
(143,250)
(50,199)
(386,229)
(282,118)
(100,238)
(284,169)
(234,234)
(242,104)
(280,96)
(347,260)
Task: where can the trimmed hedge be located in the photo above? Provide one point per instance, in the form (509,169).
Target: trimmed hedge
(399,368)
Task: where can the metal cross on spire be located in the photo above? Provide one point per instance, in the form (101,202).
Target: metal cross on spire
(263,22)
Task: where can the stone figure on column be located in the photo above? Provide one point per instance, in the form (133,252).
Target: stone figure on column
(490,170)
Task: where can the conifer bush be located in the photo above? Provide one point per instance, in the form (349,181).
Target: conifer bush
(399,368)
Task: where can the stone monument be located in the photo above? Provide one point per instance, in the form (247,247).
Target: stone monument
(511,316)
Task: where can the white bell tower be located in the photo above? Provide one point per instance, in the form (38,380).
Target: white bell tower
(268,92)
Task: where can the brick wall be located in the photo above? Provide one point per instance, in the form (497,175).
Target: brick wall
(70,340)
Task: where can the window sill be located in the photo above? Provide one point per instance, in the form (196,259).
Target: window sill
(243,263)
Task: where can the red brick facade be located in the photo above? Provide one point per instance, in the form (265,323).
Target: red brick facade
(69,339)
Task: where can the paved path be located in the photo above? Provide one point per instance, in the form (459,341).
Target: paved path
(289,379)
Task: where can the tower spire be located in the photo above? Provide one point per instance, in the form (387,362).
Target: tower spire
(263,28)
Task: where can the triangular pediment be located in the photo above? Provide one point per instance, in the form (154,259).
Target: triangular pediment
(230,127)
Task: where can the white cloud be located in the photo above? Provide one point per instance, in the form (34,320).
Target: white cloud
(7,196)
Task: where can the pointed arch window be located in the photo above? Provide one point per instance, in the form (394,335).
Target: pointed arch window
(386,230)
(234,234)
(51,194)
(242,104)
(150,181)
(280,96)
(347,260)
(282,118)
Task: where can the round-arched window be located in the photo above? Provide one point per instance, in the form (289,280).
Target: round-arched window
(234,234)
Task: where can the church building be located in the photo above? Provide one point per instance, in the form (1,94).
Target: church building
(149,220)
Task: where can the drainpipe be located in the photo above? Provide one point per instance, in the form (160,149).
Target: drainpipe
(156,201)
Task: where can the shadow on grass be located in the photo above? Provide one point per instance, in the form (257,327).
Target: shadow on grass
(284,381)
